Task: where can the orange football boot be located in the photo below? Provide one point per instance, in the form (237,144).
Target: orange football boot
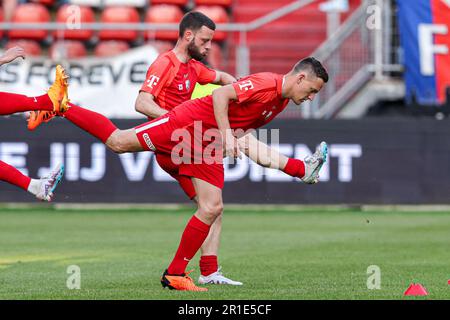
(180,282)
(58,91)
(59,97)
(35,118)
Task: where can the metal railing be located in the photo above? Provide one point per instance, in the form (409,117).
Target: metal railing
(357,52)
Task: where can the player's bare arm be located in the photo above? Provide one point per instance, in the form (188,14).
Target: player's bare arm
(145,104)
(224,78)
(221,98)
(12,54)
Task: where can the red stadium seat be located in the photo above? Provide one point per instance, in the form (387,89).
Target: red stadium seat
(31,47)
(119,14)
(64,15)
(70,49)
(30,13)
(176,2)
(163,14)
(111,48)
(219,15)
(223,3)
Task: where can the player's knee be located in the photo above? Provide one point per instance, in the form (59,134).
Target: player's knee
(116,144)
(212,209)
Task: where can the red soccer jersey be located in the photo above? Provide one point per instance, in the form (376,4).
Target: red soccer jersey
(259,101)
(171,82)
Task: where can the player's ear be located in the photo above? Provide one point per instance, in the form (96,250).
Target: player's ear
(300,77)
(189,35)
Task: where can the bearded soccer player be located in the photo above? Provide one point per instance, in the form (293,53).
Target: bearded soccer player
(12,103)
(207,126)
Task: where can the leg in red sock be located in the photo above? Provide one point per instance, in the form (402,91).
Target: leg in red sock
(13,103)
(13,176)
(193,236)
(208,265)
(92,122)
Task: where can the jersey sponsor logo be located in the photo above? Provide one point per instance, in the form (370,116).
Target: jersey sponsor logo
(152,81)
(188,84)
(148,142)
(245,85)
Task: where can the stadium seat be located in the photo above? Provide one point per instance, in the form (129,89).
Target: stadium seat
(64,15)
(163,14)
(131,3)
(30,13)
(119,14)
(111,48)
(219,15)
(69,49)
(31,47)
(176,2)
(223,3)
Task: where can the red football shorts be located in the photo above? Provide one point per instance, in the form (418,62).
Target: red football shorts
(156,136)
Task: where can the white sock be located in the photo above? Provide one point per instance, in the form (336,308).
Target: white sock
(34,186)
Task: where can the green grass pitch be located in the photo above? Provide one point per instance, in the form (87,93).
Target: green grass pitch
(279,253)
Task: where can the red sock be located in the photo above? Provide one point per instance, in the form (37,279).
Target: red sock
(192,239)
(13,103)
(92,122)
(12,175)
(208,265)
(295,168)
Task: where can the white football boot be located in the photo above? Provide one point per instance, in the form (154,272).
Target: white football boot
(217,278)
(49,183)
(314,163)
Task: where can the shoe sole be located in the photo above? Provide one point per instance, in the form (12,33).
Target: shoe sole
(58,178)
(324,153)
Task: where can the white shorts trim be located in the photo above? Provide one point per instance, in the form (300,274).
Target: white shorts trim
(151,125)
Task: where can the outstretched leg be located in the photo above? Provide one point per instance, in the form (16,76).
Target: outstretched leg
(42,188)
(99,126)
(12,103)
(55,99)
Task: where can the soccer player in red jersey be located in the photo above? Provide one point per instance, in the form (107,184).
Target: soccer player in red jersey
(170,81)
(12,103)
(195,134)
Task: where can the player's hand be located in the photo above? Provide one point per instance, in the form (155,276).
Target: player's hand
(12,54)
(232,146)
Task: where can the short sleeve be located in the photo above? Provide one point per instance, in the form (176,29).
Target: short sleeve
(158,76)
(205,75)
(261,88)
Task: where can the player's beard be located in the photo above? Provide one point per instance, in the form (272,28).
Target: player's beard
(194,52)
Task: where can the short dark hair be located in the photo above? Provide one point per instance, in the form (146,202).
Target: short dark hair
(313,65)
(194,20)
